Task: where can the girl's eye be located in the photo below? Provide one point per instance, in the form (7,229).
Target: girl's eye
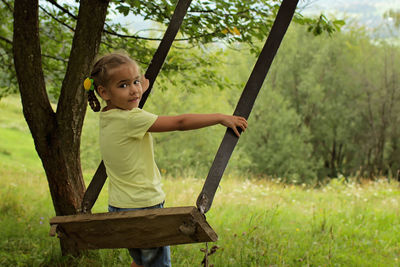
(123,85)
(136,82)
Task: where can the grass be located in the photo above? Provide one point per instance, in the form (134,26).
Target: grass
(262,223)
(259,222)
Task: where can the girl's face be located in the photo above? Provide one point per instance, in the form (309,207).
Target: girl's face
(124,89)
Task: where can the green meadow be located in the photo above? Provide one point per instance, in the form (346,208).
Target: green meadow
(259,221)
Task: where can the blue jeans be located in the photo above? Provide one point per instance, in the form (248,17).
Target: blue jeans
(152,257)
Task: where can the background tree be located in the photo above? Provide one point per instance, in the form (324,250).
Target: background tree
(343,89)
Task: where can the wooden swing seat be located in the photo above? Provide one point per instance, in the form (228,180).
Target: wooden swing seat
(135,229)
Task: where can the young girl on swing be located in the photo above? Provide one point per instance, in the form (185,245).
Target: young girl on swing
(126,144)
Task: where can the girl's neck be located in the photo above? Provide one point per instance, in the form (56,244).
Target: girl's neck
(106,108)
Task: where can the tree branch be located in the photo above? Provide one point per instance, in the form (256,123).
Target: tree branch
(157,39)
(66,11)
(201,11)
(115,33)
(28,66)
(131,36)
(8,6)
(55,58)
(6,40)
(67,26)
(56,19)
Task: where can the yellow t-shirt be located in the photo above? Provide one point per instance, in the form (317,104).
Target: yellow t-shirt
(127,151)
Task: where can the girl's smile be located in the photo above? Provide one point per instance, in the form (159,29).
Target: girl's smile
(134,99)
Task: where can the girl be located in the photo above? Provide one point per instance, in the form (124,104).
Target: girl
(126,144)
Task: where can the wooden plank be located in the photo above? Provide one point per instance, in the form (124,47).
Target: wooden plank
(136,229)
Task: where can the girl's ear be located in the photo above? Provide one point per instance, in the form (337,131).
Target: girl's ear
(103,92)
(145,83)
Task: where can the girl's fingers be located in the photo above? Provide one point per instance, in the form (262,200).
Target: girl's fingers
(237,122)
(236,131)
(243,123)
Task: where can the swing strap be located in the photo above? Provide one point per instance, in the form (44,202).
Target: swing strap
(246,102)
(100,176)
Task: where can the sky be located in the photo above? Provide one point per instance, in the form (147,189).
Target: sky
(353,6)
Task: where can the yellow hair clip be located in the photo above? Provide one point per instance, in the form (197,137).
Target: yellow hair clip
(88,84)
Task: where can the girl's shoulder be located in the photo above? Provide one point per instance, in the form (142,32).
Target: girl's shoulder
(125,114)
(120,112)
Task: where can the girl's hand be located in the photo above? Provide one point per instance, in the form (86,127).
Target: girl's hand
(233,122)
(145,83)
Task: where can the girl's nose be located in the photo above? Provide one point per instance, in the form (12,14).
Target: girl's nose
(134,89)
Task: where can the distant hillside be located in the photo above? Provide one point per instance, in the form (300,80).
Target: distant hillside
(367,12)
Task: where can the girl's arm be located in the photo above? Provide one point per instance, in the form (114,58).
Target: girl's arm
(195,121)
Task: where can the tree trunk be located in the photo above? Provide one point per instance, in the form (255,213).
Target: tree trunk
(57,134)
(333,160)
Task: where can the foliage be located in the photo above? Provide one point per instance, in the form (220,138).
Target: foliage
(394,15)
(344,89)
(206,22)
(320,25)
(8,81)
(227,20)
(56,45)
(179,152)
(277,142)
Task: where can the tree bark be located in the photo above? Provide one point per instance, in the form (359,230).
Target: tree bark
(57,134)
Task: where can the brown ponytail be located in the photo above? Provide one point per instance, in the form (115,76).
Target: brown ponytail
(93,101)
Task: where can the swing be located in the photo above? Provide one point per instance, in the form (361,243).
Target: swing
(177,225)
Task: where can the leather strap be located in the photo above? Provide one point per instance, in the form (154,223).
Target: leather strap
(246,102)
(154,68)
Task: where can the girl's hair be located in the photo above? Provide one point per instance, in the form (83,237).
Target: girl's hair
(100,73)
